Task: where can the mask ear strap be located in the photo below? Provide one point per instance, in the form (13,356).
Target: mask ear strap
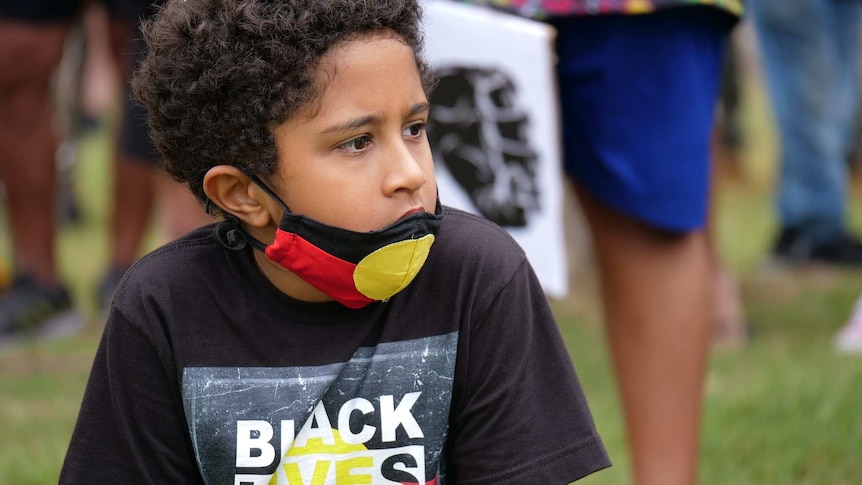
(232,236)
(254,178)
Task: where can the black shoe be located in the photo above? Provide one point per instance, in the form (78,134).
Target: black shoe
(842,250)
(794,247)
(28,309)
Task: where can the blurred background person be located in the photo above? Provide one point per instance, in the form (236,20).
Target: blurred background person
(810,51)
(810,54)
(32,39)
(141,188)
(637,100)
(32,36)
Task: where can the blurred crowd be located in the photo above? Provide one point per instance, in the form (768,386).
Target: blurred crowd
(64,68)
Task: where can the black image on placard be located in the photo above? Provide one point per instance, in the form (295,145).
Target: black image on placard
(479,133)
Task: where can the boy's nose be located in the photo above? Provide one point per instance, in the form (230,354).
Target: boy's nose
(405,170)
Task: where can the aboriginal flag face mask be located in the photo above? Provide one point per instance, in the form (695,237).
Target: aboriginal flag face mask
(354,268)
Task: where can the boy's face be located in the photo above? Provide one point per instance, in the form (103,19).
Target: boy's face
(358,157)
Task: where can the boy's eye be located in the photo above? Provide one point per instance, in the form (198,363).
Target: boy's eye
(414,130)
(358,144)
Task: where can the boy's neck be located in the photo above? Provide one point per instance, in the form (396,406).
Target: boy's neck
(288,282)
(283,279)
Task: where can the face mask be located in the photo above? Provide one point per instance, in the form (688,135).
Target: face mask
(353,268)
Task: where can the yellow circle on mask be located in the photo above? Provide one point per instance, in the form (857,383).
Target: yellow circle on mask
(391,268)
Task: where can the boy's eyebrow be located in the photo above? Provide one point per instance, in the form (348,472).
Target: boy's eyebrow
(419,108)
(366,120)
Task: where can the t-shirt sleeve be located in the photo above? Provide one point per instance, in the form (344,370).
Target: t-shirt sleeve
(521,417)
(130,428)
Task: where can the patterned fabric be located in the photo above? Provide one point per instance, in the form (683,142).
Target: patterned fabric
(546,8)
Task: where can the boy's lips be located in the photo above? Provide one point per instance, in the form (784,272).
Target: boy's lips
(412,211)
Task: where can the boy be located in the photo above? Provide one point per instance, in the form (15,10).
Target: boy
(298,341)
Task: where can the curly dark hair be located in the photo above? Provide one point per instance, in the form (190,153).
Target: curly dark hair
(219,75)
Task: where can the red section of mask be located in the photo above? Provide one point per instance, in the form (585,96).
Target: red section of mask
(318,268)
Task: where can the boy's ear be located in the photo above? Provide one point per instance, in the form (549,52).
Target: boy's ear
(235,193)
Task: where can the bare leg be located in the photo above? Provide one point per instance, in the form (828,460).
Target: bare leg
(138,183)
(729,326)
(657,299)
(28,56)
(133,204)
(99,77)
(179,210)
(133,192)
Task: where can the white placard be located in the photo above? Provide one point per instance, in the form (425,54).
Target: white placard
(494,127)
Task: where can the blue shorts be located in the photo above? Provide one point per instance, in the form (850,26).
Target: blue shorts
(637,98)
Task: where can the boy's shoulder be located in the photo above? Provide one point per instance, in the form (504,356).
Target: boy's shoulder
(476,232)
(191,256)
(468,239)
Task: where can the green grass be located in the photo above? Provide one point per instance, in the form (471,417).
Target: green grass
(40,393)
(785,410)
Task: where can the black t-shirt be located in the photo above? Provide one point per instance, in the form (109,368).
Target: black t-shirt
(206,373)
